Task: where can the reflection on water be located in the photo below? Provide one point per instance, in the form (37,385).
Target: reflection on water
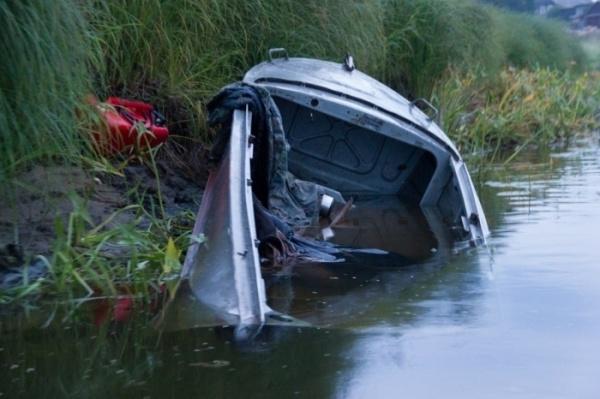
(520,318)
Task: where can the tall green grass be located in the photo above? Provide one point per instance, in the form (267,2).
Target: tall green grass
(178,53)
(516,108)
(591,46)
(46,51)
(425,37)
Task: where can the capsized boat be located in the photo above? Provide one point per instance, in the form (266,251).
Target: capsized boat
(348,133)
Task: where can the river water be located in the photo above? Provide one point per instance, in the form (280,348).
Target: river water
(518,318)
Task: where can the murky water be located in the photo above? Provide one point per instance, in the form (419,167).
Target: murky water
(519,318)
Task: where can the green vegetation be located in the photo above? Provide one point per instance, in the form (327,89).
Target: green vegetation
(123,258)
(136,249)
(44,74)
(425,37)
(517,108)
(178,53)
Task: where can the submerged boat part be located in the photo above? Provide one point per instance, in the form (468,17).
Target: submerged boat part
(351,133)
(224,272)
(344,133)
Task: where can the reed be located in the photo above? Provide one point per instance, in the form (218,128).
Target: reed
(46,50)
(518,107)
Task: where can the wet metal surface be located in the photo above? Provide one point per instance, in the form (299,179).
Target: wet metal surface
(352,133)
(519,318)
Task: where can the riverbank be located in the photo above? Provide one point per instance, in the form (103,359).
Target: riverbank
(103,225)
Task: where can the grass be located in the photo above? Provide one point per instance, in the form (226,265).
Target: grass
(44,74)
(481,64)
(139,256)
(517,108)
(177,53)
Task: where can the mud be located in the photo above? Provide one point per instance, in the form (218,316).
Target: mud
(46,194)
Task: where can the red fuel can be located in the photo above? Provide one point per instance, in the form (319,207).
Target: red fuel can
(130,124)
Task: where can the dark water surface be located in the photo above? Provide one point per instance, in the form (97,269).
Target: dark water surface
(519,318)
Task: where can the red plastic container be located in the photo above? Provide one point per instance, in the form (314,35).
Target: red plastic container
(124,119)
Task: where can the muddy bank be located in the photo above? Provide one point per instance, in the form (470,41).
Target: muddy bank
(46,195)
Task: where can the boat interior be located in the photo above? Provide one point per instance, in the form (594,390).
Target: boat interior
(359,162)
(406,195)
